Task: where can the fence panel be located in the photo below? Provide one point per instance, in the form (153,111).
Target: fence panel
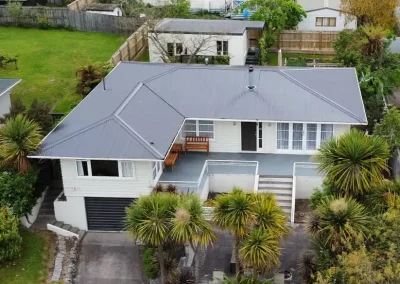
(79,20)
(306,42)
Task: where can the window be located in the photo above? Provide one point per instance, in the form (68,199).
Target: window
(297,143)
(222,47)
(104,168)
(325,22)
(174,49)
(311,137)
(283,136)
(157,167)
(170,49)
(260,144)
(178,48)
(203,128)
(127,169)
(326,132)
(82,168)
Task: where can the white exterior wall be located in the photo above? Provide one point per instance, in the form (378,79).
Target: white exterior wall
(75,185)
(305,186)
(205,190)
(308,24)
(72,212)
(5,103)
(116,12)
(237,45)
(225,183)
(194,4)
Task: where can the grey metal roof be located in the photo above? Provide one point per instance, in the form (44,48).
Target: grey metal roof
(6,84)
(145,104)
(232,27)
(310,5)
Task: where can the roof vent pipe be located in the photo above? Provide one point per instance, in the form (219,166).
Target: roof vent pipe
(251,85)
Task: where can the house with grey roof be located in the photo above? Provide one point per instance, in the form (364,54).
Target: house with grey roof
(183,38)
(325,15)
(6,85)
(260,126)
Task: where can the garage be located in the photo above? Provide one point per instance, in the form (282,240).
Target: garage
(105,213)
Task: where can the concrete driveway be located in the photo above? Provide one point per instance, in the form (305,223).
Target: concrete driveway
(109,258)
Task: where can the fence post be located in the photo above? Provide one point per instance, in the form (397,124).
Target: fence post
(135,41)
(320,40)
(301,41)
(129,50)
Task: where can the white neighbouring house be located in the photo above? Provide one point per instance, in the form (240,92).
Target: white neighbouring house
(105,9)
(196,5)
(6,86)
(263,126)
(324,15)
(203,37)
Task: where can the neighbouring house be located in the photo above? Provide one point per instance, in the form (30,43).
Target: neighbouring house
(106,9)
(255,128)
(226,40)
(6,86)
(213,6)
(324,15)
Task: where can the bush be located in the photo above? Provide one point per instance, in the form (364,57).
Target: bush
(40,113)
(44,24)
(149,263)
(319,195)
(10,240)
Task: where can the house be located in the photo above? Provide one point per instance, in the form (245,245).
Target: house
(213,6)
(6,86)
(324,15)
(262,126)
(106,9)
(213,38)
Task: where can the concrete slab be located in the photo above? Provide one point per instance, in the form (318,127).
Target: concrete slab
(109,258)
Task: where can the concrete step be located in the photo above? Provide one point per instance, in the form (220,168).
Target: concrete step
(46,211)
(284,204)
(274,180)
(275,185)
(58,224)
(66,227)
(276,190)
(287,210)
(74,230)
(81,234)
(284,197)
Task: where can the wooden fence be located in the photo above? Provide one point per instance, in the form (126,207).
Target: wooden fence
(79,4)
(307,42)
(79,20)
(133,46)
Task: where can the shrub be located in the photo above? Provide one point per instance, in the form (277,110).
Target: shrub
(10,240)
(319,195)
(40,113)
(44,23)
(149,263)
(15,11)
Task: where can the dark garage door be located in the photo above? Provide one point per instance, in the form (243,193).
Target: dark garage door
(106,214)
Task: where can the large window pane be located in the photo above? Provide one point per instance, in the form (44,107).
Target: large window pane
(260,135)
(297,136)
(311,136)
(326,132)
(104,168)
(127,168)
(283,136)
(206,128)
(189,128)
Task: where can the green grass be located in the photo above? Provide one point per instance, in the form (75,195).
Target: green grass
(31,267)
(273,57)
(145,57)
(48,59)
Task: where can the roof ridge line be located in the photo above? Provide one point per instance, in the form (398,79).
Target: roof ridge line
(164,100)
(80,131)
(161,74)
(320,96)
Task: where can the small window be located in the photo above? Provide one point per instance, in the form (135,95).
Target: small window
(325,21)
(189,128)
(179,49)
(206,128)
(82,168)
(222,47)
(326,132)
(319,21)
(311,136)
(260,144)
(170,49)
(127,169)
(104,168)
(332,22)
(283,136)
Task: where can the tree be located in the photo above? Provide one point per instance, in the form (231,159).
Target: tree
(18,193)
(90,76)
(40,113)
(19,137)
(10,240)
(149,219)
(260,251)
(17,107)
(277,15)
(381,13)
(234,212)
(338,222)
(353,162)
(190,226)
(389,127)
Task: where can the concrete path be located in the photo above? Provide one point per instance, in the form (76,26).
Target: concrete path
(109,258)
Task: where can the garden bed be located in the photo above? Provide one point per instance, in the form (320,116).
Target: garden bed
(302,210)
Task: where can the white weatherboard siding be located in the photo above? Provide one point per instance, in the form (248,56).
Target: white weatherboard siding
(340,129)
(225,183)
(237,45)
(5,103)
(107,186)
(116,12)
(305,186)
(308,24)
(71,212)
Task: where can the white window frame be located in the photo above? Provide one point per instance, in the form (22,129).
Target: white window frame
(223,52)
(90,175)
(304,141)
(325,22)
(174,44)
(157,171)
(198,128)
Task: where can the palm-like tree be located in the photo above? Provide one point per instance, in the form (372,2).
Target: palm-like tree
(260,251)
(149,219)
(190,226)
(19,136)
(354,162)
(338,222)
(234,212)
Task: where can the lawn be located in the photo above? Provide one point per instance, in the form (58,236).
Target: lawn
(48,59)
(32,266)
(273,57)
(144,57)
